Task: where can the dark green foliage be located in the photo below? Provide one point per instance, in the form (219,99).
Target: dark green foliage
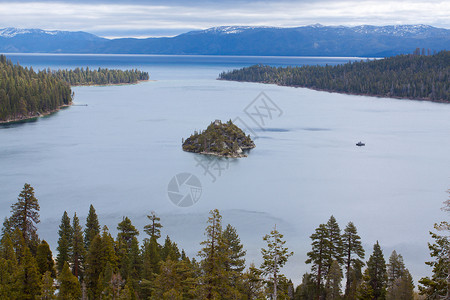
(403,76)
(376,276)
(25,93)
(253,283)
(307,289)
(214,254)
(64,242)
(92,228)
(100,76)
(78,251)
(319,255)
(224,139)
(154,228)
(25,216)
(28,280)
(44,259)
(353,255)
(438,286)
(48,289)
(69,286)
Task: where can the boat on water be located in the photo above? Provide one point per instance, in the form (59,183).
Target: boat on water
(360,144)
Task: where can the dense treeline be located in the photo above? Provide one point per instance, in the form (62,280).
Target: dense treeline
(404,76)
(100,76)
(26,94)
(91,264)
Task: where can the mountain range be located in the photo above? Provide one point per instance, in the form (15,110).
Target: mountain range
(313,40)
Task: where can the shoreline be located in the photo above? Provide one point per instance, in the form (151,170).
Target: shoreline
(113,84)
(39,115)
(237,155)
(344,93)
(35,116)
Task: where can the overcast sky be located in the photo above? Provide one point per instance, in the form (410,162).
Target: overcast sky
(145,18)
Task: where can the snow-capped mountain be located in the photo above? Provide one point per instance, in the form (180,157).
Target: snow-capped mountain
(312,40)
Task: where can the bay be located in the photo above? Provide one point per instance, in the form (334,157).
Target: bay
(120,152)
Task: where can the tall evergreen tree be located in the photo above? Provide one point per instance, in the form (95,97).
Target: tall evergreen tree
(319,255)
(44,259)
(353,254)
(25,215)
(28,280)
(78,250)
(127,243)
(336,245)
(48,288)
(154,228)
(333,285)
(92,228)
(306,290)
(64,242)
(438,286)
(69,286)
(214,276)
(8,267)
(275,257)
(376,271)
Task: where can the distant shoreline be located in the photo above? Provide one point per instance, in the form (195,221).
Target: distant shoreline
(344,93)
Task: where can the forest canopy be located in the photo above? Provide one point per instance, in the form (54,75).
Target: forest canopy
(412,76)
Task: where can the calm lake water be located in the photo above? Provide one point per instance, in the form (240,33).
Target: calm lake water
(120,152)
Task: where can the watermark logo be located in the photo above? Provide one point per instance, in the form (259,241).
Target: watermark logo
(212,165)
(184,189)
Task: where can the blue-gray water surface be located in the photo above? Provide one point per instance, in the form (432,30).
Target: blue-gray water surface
(121,150)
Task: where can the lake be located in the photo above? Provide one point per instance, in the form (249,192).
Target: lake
(121,151)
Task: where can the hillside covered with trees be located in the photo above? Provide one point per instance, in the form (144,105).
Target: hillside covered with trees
(26,94)
(422,77)
(91,264)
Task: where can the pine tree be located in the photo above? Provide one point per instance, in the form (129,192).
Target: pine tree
(336,245)
(28,280)
(78,250)
(64,242)
(353,255)
(154,228)
(214,277)
(253,283)
(376,271)
(274,257)
(8,267)
(333,285)
(25,215)
(307,289)
(395,268)
(48,289)
(129,255)
(232,242)
(92,228)
(175,276)
(170,250)
(44,259)
(401,288)
(319,255)
(438,285)
(94,267)
(69,286)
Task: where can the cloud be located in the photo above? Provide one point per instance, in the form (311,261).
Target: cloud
(162,18)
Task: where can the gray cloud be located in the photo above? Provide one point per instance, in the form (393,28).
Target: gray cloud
(165,18)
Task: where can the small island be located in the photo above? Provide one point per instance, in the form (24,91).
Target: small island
(220,139)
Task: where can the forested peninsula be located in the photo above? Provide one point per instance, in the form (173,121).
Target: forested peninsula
(138,264)
(420,77)
(26,94)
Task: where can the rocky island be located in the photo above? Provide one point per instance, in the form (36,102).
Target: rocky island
(220,139)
